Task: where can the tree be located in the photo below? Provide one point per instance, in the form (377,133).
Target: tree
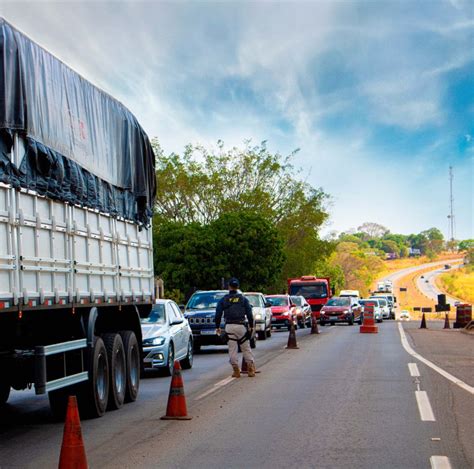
(434,240)
(241,244)
(372,230)
(202,185)
(466,244)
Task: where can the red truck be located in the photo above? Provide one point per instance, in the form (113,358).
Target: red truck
(316,291)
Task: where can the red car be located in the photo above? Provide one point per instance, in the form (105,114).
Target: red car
(341,309)
(283,311)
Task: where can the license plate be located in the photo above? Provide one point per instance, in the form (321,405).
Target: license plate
(208,332)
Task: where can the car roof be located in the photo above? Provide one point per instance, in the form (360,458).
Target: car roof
(162,301)
(278,296)
(253,293)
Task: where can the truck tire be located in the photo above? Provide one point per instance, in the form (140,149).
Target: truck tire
(94,395)
(117,370)
(4,393)
(132,362)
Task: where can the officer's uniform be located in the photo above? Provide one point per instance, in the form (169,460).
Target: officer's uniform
(235,308)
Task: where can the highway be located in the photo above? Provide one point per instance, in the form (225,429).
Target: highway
(428,286)
(343,399)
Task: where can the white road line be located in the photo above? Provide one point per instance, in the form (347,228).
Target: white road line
(424,406)
(436,368)
(216,386)
(413,367)
(440,462)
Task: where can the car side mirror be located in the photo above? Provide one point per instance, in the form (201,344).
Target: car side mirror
(175,322)
(268,304)
(182,307)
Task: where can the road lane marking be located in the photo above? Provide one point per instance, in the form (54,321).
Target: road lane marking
(414,370)
(424,406)
(440,462)
(216,386)
(434,367)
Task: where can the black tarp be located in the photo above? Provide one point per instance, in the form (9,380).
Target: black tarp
(82,146)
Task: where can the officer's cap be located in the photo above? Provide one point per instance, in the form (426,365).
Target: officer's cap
(234,283)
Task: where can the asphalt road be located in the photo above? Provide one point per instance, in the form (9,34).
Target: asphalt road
(428,287)
(344,399)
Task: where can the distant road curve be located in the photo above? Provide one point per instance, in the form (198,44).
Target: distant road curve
(427,285)
(396,276)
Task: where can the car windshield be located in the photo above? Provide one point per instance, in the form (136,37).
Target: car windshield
(316,290)
(205,300)
(278,300)
(157,315)
(253,300)
(339,302)
(297,300)
(382,302)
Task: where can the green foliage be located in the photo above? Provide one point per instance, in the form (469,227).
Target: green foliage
(202,185)
(241,244)
(466,244)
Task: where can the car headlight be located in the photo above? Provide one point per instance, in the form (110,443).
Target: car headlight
(158,340)
(346,311)
(258,316)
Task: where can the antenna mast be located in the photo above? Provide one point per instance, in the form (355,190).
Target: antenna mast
(451,204)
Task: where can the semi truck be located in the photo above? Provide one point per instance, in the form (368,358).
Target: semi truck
(316,291)
(77,187)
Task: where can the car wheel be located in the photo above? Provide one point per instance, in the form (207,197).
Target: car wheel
(168,370)
(132,362)
(351,321)
(117,369)
(269,331)
(253,343)
(262,335)
(322,323)
(187,363)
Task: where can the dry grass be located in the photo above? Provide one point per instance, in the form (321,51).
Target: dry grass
(458,283)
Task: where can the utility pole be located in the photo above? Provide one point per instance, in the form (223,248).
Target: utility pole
(451,204)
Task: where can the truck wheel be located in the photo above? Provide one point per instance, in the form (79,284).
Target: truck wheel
(262,335)
(117,368)
(187,363)
(132,361)
(95,394)
(4,393)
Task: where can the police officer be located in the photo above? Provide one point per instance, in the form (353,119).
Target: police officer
(235,308)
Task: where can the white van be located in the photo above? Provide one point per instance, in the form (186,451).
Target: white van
(350,293)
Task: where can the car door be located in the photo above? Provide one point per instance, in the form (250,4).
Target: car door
(175,330)
(184,329)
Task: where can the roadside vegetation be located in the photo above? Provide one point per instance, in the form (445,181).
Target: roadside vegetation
(460,282)
(249,213)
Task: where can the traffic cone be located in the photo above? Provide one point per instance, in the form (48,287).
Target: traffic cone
(446,322)
(423,322)
(73,454)
(368,326)
(292,337)
(314,325)
(176,409)
(244,368)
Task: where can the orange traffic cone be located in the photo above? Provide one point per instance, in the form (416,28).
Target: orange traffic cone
(73,454)
(314,325)
(292,337)
(368,326)
(423,322)
(176,409)
(446,322)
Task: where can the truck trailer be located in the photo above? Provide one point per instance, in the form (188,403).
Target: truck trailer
(77,186)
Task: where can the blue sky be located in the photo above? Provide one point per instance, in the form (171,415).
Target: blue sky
(378,95)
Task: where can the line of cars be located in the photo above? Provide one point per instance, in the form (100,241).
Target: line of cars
(173,332)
